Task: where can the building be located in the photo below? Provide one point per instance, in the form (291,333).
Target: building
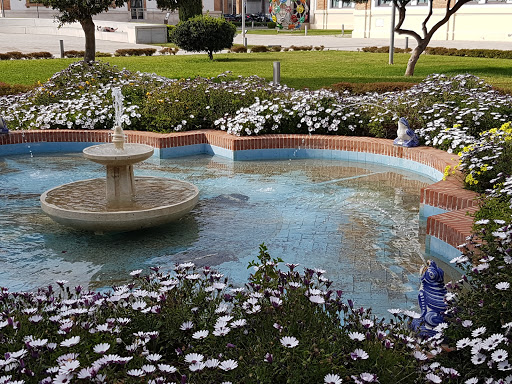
(478,20)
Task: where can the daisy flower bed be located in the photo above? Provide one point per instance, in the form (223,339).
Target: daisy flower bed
(288,323)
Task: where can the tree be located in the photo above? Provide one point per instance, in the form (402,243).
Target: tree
(187,8)
(204,33)
(426,35)
(82,11)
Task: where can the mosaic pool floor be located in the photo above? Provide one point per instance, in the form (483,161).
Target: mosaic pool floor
(357,221)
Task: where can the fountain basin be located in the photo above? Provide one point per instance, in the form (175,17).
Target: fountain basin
(157,201)
(108,154)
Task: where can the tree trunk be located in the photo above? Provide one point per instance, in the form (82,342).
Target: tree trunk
(90,39)
(415,55)
(210,55)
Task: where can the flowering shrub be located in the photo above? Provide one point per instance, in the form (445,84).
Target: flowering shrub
(487,159)
(446,112)
(192,326)
(480,309)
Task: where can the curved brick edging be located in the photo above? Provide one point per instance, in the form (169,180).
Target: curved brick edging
(451,227)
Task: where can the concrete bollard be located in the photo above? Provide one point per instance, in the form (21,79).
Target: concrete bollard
(305,30)
(61,49)
(342,29)
(277,72)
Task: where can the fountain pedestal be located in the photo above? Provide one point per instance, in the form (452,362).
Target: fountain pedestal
(120,190)
(120,185)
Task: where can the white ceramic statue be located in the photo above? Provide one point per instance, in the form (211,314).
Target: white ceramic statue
(405,135)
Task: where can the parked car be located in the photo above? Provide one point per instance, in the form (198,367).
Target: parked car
(231,17)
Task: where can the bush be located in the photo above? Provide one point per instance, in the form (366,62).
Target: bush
(320,48)
(135,52)
(13,89)
(485,53)
(204,33)
(170,28)
(362,88)
(484,161)
(238,49)
(274,48)
(301,48)
(259,48)
(40,55)
(190,325)
(271,25)
(74,54)
(103,54)
(169,51)
(385,50)
(16,55)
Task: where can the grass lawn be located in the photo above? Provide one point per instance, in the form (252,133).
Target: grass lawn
(311,69)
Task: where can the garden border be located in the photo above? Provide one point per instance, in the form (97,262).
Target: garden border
(445,203)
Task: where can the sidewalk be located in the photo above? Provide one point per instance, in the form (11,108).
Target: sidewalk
(35,43)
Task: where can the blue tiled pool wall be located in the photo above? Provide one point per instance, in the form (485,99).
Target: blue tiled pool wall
(433,245)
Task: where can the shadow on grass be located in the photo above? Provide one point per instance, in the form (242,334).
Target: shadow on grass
(242,59)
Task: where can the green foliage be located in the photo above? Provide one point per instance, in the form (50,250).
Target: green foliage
(135,52)
(259,48)
(187,8)
(72,10)
(271,25)
(204,33)
(169,32)
(484,161)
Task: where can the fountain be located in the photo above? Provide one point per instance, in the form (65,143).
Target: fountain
(130,202)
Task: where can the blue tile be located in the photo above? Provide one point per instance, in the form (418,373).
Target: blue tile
(188,150)
(428,210)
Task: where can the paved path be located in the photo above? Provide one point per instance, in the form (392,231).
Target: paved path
(34,43)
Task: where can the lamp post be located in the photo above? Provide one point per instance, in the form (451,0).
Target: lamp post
(243,24)
(392,36)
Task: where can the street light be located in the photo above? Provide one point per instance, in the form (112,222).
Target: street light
(243,25)
(392,36)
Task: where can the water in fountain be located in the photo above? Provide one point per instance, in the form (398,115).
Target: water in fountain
(129,203)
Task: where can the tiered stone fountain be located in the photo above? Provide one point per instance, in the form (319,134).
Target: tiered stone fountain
(128,203)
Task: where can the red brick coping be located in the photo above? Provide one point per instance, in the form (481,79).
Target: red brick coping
(452,227)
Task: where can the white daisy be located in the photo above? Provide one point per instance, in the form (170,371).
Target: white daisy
(478,358)
(359,354)
(462,343)
(193,358)
(356,336)
(70,342)
(503,286)
(332,379)
(187,325)
(228,365)
(101,348)
(289,341)
(433,378)
(479,331)
(499,355)
(199,335)
(212,363)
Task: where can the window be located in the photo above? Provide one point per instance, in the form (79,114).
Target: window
(341,4)
(137,9)
(381,3)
